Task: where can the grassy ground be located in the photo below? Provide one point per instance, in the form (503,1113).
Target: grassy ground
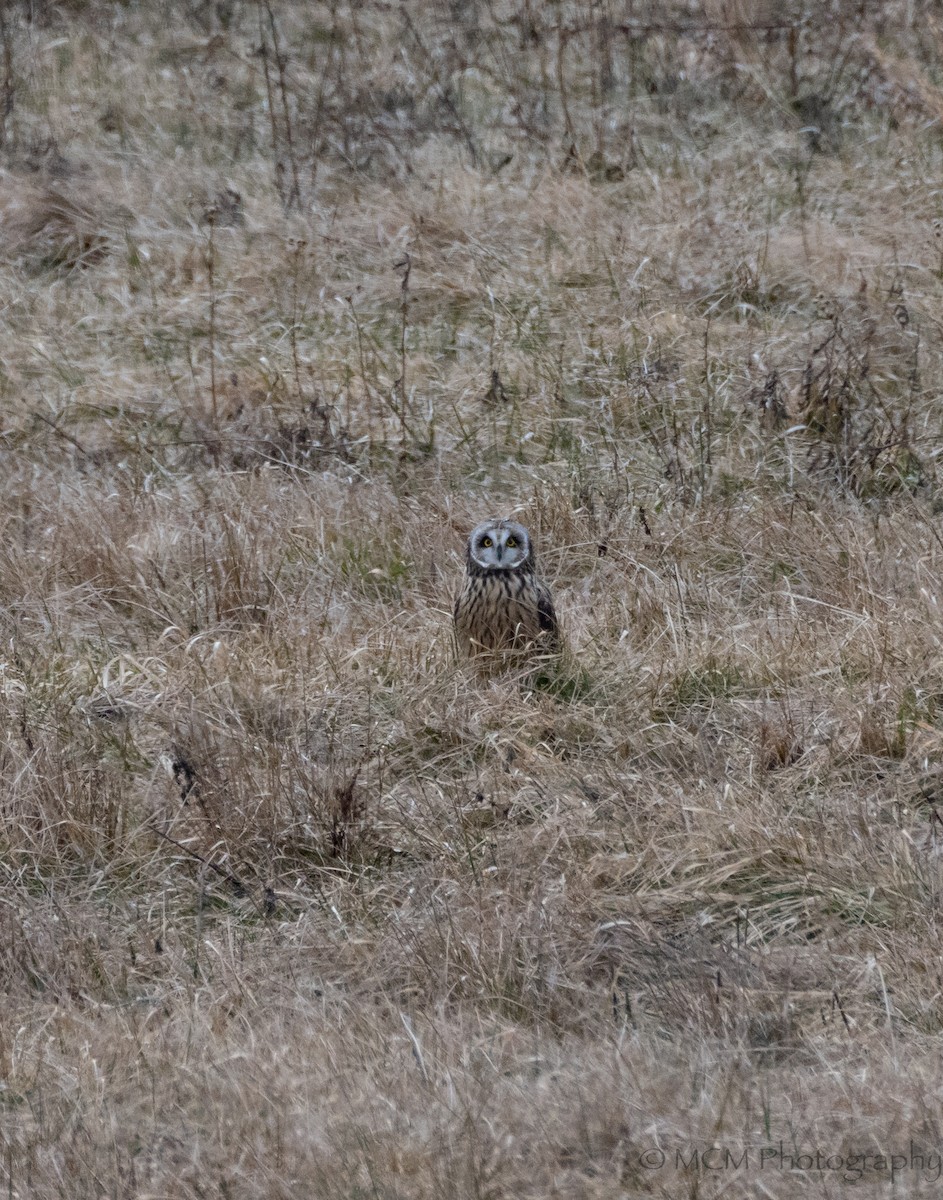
(291,903)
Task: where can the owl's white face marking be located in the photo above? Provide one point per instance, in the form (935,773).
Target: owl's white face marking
(499,545)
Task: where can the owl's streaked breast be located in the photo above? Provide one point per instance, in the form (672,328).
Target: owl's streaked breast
(504,610)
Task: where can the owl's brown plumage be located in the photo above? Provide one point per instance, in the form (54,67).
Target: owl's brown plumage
(504,605)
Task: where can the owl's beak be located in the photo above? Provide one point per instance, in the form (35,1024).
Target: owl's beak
(499,552)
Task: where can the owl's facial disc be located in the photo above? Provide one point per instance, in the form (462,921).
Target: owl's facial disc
(499,545)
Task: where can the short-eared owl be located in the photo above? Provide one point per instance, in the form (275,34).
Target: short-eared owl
(504,605)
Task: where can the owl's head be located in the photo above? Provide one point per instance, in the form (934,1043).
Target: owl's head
(499,546)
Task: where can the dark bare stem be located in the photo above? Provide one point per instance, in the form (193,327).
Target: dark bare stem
(572,148)
(295,316)
(272,111)
(9,87)
(281,61)
(211,276)
(315,122)
(706,417)
(404,265)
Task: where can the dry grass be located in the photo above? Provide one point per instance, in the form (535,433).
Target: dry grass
(291,295)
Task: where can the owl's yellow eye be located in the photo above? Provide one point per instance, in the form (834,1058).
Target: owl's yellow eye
(487,543)
(511,543)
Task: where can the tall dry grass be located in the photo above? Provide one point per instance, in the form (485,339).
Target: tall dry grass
(292,903)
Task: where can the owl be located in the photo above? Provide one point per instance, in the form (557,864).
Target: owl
(504,606)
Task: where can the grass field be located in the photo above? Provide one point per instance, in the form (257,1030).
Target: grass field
(293,295)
